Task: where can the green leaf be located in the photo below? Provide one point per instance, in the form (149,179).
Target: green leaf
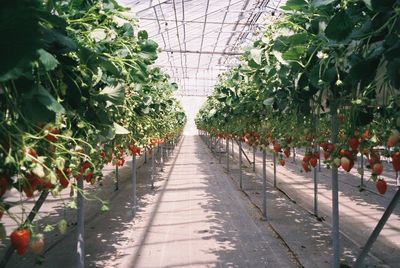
(339,27)
(149,46)
(294,53)
(45,98)
(48,61)
(120,130)
(318,3)
(116,95)
(143,35)
(255,54)
(295,5)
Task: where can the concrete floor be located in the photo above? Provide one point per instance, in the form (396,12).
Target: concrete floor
(199,220)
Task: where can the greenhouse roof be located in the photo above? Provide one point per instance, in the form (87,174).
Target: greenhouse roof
(200,39)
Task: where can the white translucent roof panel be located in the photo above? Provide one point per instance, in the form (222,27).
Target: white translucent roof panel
(201,38)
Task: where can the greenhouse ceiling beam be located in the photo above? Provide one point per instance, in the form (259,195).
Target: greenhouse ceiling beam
(163,38)
(202,33)
(235,28)
(152,6)
(202,16)
(184,34)
(179,38)
(219,33)
(189,21)
(228,53)
(194,68)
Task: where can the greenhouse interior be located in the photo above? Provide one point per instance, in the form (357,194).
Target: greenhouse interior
(200,133)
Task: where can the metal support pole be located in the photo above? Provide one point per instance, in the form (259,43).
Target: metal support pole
(116,177)
(80,247)
(153,168)
(240,165)
(134,199)
(377,230)
(254,158)
(227,154)
(319,158)
(233,149)
(294,155)
(335,194)
(145,154)
(315,192)
(274,169)
(219,152)
(162,157)
(362,172)
(264,166)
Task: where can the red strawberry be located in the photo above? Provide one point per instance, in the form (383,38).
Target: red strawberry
(354,143)
(381,186)
(61,178)
(20,240)
(392,140)
(346,163)
(89,176)
(305,166)
(326,155)
(102,154)
(313,161)
(282,162)
(377,168)
(330,148)
(396,161)
(287,151)
(277,147)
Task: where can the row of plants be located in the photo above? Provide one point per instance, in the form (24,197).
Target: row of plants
(325,75)
(77,91)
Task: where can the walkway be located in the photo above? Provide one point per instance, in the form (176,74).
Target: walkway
(198,219)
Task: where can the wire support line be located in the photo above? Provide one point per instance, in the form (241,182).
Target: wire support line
(219,34)
(202,34)
(202,16)
(179,39)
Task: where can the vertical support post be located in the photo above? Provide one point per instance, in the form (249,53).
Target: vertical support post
(162,157)
(227,154)
(220,151)
(315,192)
(319,158)
(254,158)
(80,247)
(362,172)
(315,175)
(134,198)
(153,168)
(145,154)
(294,154)
(377,230)
(240,165)
(274,169)
(233,149)
(335,190)
(116,177)
(264,177)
